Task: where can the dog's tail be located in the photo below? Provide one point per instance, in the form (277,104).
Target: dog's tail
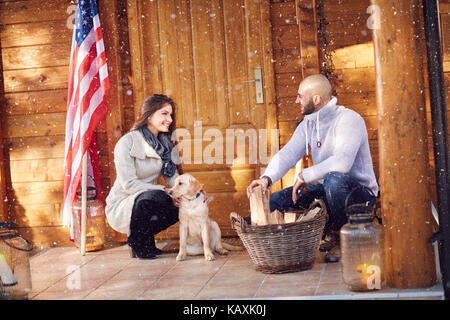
(231,247)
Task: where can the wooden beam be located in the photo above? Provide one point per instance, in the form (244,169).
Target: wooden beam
(135,13)
(3,204)
(108,11)
(114,120)
(403,150)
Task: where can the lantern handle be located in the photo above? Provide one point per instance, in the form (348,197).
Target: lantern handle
(28,249)
(357,188)
(90,188)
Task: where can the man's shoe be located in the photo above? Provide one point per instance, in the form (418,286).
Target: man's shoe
(333,255)
(331,240)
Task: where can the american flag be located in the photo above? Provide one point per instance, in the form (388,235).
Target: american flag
(86,100)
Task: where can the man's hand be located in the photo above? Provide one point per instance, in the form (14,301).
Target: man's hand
(299,182)
(263,182)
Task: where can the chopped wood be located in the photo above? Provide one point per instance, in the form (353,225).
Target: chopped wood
(309,215)
(276,217)
(290,217)
(259,207)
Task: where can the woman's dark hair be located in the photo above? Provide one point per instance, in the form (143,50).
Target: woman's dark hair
(150,105)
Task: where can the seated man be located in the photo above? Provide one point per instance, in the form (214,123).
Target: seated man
(340,151)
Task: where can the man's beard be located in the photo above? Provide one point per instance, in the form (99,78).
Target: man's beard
(308,108)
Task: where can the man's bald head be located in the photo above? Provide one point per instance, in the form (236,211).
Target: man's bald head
(317,84)
(313,93)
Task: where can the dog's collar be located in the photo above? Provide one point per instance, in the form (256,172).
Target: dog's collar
(196,196)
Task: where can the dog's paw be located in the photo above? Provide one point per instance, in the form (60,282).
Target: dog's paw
(209,257)
(181,257)
(222,251)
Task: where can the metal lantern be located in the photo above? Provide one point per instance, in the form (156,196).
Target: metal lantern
(95,220)
(15,274)
(362,247)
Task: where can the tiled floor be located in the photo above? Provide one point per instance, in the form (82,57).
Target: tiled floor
(63,273)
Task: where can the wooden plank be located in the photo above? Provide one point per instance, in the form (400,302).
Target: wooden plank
(405,196)
(287,84)
(46,237)
(29,34)
(38,56)
(341,7)
(219,54)
(288,60)
(29,148)
(35,11)
(237,62)
(36,79)
(136,53)
(307,27)
(3,203)
(114,120)
(186,101)
(36,125)
(445,34)
(37,215)
(203,58)
(225,180)
(269,77)
(356,56)
(35,102)
(355,80)
(285,36)
(31,193)
(283,13)
(37,170)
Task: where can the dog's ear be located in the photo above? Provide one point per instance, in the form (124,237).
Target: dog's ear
(196,185)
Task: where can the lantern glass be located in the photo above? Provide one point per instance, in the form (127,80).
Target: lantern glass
(15,271)
(95,224)
(362,251)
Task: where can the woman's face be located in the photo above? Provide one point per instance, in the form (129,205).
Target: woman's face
(161,120)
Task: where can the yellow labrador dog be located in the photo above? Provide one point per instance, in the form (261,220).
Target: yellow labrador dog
(198,233)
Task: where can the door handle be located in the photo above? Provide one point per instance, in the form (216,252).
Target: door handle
(258,85)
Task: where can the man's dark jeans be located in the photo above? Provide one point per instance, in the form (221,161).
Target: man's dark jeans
(333,191)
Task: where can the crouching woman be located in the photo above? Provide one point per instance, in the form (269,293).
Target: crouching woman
(136,204)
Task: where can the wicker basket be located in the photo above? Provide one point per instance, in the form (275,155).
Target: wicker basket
(281,248)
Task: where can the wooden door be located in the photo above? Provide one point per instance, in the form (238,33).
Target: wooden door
(203,53)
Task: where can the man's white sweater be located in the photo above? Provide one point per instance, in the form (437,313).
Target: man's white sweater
(338,140)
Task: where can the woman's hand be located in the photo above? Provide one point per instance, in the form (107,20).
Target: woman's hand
(207,199)
(176,201)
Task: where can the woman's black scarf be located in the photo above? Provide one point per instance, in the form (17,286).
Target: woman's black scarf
(163,147)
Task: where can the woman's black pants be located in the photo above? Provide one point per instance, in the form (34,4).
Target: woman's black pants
(153,211)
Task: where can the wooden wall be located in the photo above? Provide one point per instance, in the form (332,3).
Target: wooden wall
(35,43)
(35,50)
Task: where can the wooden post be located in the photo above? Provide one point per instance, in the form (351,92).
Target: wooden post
(3,206)
(3,203)
(402,138)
